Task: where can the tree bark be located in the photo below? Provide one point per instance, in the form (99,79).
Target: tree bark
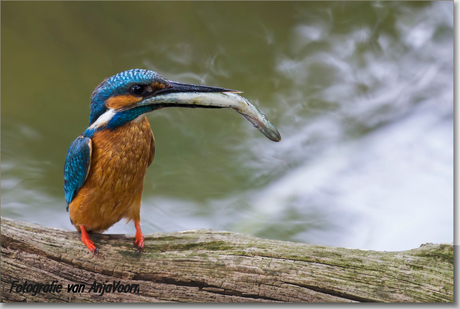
(210,266)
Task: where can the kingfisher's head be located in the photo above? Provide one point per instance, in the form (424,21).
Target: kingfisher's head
(127,90)
(124,89)
(127,95)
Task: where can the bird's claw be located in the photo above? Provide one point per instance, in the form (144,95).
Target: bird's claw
(139,242)
(87,241)
(90,245)
(139,237)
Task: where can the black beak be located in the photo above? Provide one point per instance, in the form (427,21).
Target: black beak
(182,87)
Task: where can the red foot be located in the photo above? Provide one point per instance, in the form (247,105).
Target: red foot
(139,237)
(87,241)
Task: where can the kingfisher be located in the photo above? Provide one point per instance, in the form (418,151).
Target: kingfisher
(105,166)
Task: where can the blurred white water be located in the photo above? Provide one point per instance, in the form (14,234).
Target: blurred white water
(375,171)
(390,190)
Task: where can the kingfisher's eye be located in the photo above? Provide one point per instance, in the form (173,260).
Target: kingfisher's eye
(137,89)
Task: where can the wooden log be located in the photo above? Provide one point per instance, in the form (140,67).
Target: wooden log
(210,266)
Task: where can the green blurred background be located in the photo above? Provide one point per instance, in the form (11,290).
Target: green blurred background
(361,93)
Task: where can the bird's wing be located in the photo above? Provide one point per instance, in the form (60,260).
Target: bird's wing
(77,166)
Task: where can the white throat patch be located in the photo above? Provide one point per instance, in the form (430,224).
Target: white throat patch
(103,119)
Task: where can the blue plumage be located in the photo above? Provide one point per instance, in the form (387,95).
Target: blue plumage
(76,167)
(124,117)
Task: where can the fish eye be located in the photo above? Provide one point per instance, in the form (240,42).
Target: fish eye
(137,89)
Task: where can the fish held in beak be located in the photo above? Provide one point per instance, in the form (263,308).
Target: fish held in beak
(217,100)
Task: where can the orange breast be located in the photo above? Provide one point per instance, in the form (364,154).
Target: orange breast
(113,189)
